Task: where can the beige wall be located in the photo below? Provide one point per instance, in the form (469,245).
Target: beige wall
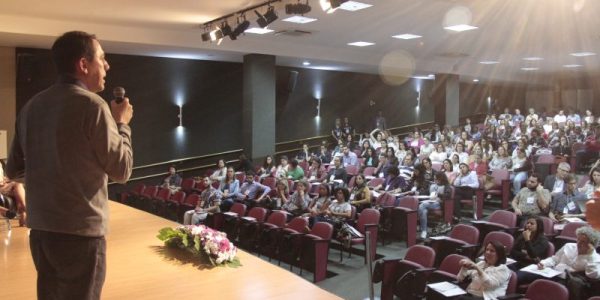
(8,96)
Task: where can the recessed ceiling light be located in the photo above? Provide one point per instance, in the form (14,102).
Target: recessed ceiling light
(532,58)
(581,54)
(299,19)
(354,6)
(407,36)
(530,69)
(460,27)
(427,77)
(475,80)
(361,44)
(572,66)
(306,63)
(258,30)
(489,62)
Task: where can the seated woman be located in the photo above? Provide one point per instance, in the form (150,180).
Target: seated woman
(282,169)
(220,172)
(438,191)
(298,202)
(370,158)
(593,184)
(16,191)
(360,196)
(267,168)
(281,193)
(500,160)
(319,205)
(420,186)
(209,203)
(563,148)
(339,211)
(295,172)
(521,166)
(393,181)
(439,155)
(531,245)
(428,171)
(304,153)
(448,169)
(489,277)
(230,186)
(315,171)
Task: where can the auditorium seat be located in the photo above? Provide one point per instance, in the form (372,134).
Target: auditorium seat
(128,197)
(187,185)
(228,221)
(542,289)
(385,203)
(368,220)
(170,208)
(567,235)
(261,235)
(417,257)
(501,188)
(248,225)
(477,204)
(446,210)
(460,239)
(369,171)
(404,220)
(314,250)
(499,220)
(146,196)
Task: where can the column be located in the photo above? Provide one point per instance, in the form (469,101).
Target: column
(8,98)
(446,94)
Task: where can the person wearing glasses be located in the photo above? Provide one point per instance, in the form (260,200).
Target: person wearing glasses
(556,183)
(568,203)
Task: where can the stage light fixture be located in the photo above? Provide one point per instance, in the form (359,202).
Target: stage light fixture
(329,6)
(216,34)
(298,8)
(240,28)
(336,3)
(206,37)
(269,17)
(226,29)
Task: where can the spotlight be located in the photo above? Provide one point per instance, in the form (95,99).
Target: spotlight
(239,29)
(330,6)
(269,17)
(297,9)
(226,29)
(216,35)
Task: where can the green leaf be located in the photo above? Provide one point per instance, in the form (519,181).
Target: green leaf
(235,263)
(166,233)
(197,244)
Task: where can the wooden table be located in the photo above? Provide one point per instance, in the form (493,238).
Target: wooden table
(138,267)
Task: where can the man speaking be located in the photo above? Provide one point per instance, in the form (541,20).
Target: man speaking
(67,144)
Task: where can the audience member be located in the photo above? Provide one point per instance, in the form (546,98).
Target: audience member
(489,277)
(268,167)
(465,184)
(173,180)
(556,183)
(531,245)
(210,201)
(220,172)
(295,172)
(250,191)
(299,200)
(439,191)
(532,200)
(360,196)
(568,203)
(230,186)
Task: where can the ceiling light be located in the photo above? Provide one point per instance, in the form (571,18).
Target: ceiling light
(572,66)
(475,80)
(581,54)
(216,35)
(258,30)
(407,36)
(533,58)
(297,9)
(361,44)
(269,17)
(330,6)
(428,77)
(530,69)
(489,62)
(226,29)
(240,28)
(306,63)
(460,27)
(299,19)
(354,6)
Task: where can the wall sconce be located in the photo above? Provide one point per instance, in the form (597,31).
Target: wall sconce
(180,116)
(418,99)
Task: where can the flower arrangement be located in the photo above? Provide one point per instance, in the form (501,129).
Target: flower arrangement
(202,241)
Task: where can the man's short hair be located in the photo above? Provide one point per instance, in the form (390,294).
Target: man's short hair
(565,166)
(69,48)
(536,176)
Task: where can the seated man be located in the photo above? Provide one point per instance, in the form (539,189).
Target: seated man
(209,203)
(568,203)
(349,158)
(579,262)
(532,200)
(336,172)
(249,192)
(173,180)
(556,183)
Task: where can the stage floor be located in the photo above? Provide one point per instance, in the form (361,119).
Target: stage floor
(139,268)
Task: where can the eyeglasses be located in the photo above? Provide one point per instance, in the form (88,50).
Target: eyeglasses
(564,170)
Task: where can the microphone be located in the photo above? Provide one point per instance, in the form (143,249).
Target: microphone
(119,93)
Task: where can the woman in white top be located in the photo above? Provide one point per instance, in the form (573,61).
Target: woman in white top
(593,184)
(283,167)
(401,152)
(220,173)
(489,277)
(439,155)
(427,148)
(589,118)
(463,157)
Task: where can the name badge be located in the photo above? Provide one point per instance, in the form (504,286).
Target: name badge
(530,200)
(332,177)
(352,196)
(571,206)
(381,175)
